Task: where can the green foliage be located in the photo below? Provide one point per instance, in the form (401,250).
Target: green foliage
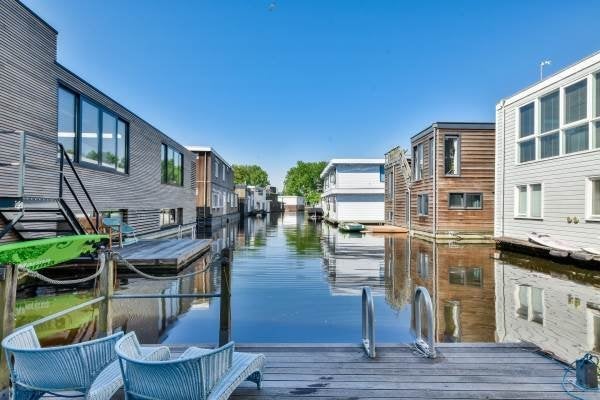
(303,180)
(250,175)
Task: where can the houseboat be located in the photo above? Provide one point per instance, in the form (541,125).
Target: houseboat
(451,189)
(112,159)
(216,199)
(292,203)
(397,184)
(353,190)
(548,160)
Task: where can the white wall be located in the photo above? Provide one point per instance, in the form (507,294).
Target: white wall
(563,177)
(360,207)
(358,176)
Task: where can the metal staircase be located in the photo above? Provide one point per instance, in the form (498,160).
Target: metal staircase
(29,216)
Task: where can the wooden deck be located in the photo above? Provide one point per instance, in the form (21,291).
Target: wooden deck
(164,252)
(462,371)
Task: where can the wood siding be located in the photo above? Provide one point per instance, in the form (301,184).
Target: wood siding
(563,178)
(476,175)
(207,183)
(29,79)
(395,201)
(422,223)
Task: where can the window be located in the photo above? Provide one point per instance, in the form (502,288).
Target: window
(171,166)
(90,127)
(465,201)
(216,171)
(466,276)
(431,157)
(100,137)
(381,173)
(526,120)
(67,120)
(597,100)
(593,198)
(451,155)
(527,150)
(423,265)
(576,139)
(530,303)
(529,201)
(576,102)
(596,138)
(418,157)
(550,145)
(171,216)
(423,204)
(549,112)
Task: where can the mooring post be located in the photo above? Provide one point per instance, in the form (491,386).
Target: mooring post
(225,316)
(106,286)
(8,298)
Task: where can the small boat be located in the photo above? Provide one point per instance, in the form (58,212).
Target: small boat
(548,241)
(351,227)
(591,250)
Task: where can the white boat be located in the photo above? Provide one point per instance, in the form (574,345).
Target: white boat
(591,250)
(549,241)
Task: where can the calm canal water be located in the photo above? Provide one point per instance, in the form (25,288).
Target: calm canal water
(294,280)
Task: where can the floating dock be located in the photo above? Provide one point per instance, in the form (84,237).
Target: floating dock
(461,371)
(164,252)
(385,229)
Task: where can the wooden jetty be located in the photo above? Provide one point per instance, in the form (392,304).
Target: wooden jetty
(385,229)
(461,371)
(167,252)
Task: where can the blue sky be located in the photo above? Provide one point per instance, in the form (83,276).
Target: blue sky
(313,80)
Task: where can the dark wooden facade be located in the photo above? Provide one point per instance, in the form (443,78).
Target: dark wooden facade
(473,177)
(396,188)
(29,80)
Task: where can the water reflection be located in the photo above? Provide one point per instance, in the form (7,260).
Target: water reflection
(295,280)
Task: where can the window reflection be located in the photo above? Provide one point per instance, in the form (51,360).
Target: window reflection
(530,304)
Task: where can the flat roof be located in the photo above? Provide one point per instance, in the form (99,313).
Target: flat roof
(207,149)
(37,16)
(552,79)
(455,125)
(338,161)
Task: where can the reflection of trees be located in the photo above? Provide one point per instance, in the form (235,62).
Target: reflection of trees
(304,238)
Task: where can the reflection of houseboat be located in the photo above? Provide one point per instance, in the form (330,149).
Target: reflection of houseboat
(546,309)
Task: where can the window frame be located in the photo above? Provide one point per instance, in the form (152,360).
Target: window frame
(419,169)
(528,213)
(592,80)
(164,176)
(589,197)
(79,98)
(178,211)
(458,154)
(420,207)
(464,201)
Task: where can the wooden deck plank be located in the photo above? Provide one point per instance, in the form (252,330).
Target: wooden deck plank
(164,252)
(338,371)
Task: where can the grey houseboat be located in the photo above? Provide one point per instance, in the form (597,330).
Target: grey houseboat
(121,164)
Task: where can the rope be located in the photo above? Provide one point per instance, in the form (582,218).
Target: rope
(51,281)
(166,278)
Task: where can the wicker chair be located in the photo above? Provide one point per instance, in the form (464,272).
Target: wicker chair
(88,370)
(198,374)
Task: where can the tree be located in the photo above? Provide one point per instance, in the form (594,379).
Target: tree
(250,175)
(303,180)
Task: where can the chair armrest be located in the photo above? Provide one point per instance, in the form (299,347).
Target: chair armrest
(161,353)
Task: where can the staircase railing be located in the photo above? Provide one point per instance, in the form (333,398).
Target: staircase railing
(368,322)
(63,180)
(424,345)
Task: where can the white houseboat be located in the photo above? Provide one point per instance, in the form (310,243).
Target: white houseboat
(548,159)
(353,190)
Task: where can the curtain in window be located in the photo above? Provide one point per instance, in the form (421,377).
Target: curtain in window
(526,118)
(550,145)
(536,201)
(549,112)
(596,197)
(576,139)
(456,200)
(576,102)
(473,200)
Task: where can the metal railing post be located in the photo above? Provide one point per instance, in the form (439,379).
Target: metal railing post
(424,345)
(368,322)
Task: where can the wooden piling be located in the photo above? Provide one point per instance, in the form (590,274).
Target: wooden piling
(225,300)
(106,289)
(8,298)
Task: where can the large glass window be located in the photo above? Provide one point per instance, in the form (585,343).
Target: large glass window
(90,128)
(102,136)
(526,120)
(171,166)
(576,139)
(576,102)
(529,201)
(67,120)
(109,140)
(465,201)
(550,145)
(527,150)
(451,155)
(550,112)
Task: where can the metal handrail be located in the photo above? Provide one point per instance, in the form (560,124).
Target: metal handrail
(424,345)
(368,322)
